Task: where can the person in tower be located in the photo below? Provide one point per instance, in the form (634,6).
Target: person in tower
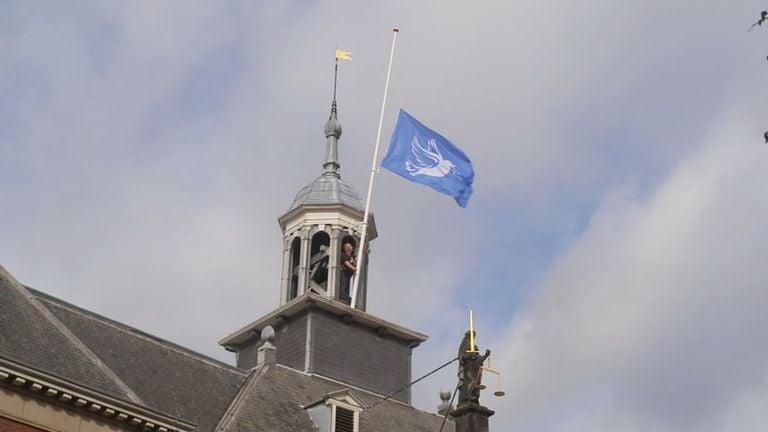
(348,269)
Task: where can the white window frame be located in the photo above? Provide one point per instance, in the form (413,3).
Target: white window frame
(334,403)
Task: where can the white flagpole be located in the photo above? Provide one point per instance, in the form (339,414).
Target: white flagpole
(374,170)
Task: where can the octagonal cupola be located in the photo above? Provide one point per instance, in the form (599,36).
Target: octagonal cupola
(326,214)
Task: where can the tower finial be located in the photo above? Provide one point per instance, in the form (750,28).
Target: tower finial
(332,126)
(332,135)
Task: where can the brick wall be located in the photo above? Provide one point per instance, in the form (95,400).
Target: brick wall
(8,425)
(46,416)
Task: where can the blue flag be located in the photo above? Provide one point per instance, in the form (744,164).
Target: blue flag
(421,155)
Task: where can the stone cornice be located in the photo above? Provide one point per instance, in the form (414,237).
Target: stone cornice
(306,209)
(310,300)
(48,388)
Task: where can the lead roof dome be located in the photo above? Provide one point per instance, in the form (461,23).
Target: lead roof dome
(328,189)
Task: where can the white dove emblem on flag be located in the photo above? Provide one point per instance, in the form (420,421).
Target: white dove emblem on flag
(428,161)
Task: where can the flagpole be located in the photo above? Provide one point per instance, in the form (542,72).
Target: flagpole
(374,170)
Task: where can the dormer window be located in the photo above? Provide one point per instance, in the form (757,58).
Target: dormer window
(336,412)
(344,420)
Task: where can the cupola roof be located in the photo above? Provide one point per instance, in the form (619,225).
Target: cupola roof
(328,189)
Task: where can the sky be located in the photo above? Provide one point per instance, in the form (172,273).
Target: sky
(614,249)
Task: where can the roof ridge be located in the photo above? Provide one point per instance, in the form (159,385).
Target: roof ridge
(67,333)
(134,331)
(237,402)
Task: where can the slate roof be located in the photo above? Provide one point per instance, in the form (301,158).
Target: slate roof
(168,378)
(284,392)
(94,352)
(29,335)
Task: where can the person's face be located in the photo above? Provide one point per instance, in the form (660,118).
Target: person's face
(348,248)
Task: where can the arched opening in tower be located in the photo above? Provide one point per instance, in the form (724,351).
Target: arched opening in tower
(295,258)
(318,262)
(348,249)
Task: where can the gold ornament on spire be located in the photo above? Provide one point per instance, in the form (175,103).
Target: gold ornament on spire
(343,55)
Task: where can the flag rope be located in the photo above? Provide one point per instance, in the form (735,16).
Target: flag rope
(412,383)
(450,404)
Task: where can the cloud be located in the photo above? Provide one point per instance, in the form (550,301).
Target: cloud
(147,149)
(653,318)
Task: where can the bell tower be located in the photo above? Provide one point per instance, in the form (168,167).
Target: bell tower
(326,214)
(314,329)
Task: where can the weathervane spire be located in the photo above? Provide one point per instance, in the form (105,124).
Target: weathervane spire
(340,55)
(333,127)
